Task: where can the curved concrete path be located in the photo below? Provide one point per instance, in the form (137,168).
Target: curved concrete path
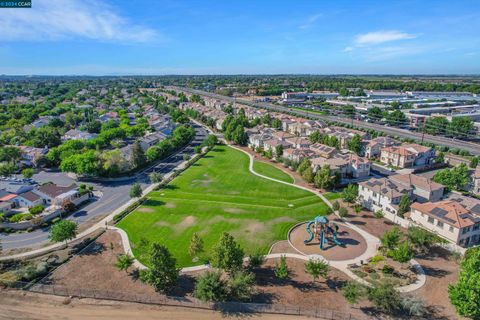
(372,244)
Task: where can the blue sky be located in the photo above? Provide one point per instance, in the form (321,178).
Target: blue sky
(249,36)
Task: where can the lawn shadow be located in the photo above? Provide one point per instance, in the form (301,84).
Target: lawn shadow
(153,202)
(435,272)
(170,187)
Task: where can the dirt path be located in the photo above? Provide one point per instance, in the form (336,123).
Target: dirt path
(21,305)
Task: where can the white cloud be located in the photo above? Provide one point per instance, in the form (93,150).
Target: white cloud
(311,20)
(348,49)
(63,19)
(377,37)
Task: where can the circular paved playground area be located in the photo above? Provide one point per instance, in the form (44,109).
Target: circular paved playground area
(355,244)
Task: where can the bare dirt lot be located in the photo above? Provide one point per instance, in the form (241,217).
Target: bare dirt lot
(20,305)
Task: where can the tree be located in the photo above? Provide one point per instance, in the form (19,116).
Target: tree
(256,260)
(138,156)
(350,193)
(210,287)
(136,191)
(281,269)
(402,253)
(396,118)
(308,175)
(325,178)
(155,177)
(163,273)
(304,165)
(474,162)
(404,205)
(28,172)
(241,285)
(210,141)
(375,114)
(353,292)
(316,268)
(227,254)
(124,261)
(349,111)
(460,127)
(343,212)
(453,179)
(63,230)
(391,238)
(279,151)
(355,144)
(436,125)
(421,238)
(196,245)
(465,294)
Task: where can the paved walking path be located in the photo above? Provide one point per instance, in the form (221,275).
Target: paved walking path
(372,244)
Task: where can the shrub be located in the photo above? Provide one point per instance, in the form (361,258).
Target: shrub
(335,205)
(36,209)
(343,212)
(163,273)
(377,258)
(241,285)
(421,238)
(227,254)
(385,297)
(316,268)
(281,269)
(391,238)
(413,306)
(378,214)
(353,292)
(210,287)
(387,269)
(256,260)
(20,217)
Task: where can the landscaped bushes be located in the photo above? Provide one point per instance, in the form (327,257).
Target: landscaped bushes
(36,209)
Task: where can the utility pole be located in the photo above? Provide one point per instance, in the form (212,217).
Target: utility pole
(423,129)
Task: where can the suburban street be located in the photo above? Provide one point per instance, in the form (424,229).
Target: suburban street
(473,148)
(114,194)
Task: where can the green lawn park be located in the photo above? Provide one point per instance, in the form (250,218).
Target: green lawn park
(218,194)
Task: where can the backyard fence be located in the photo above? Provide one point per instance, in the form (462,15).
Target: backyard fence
(157,299)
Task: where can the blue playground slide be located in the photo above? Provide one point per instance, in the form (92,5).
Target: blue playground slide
(322,240)
(335,240)
(310,233)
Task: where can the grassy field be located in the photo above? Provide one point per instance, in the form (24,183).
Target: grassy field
(271,171)
(218,194)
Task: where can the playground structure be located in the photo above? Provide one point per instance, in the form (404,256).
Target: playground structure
(320,229)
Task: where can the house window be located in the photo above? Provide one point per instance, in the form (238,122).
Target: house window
(465,230)
(440,224)
(431,220)
(451,229)
(476,227)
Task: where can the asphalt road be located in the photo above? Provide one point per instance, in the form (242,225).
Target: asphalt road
(473,148)
(114,194)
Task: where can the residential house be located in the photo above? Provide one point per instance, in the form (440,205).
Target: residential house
(423,188)
(382,195)
(410,155)
(151,139)
(449,219)
(297,154)
(323,150)
(476,181)
(29,199)
(75,134)
(272,144)
(15,187)
(53,194)
(374,146)
(31,156)
(299,142)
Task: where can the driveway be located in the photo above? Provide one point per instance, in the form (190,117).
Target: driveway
(114,195)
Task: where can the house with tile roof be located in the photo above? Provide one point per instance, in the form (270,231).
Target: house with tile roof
(449,219)
(373,147)
(406,156)
(423,188)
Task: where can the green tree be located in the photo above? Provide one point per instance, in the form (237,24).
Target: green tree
(402,253)
(460,127)
(316,268)
(465,294)
(436,125)
(241,285)
(135,191)
(304,165)
(124,261)
(453,179)
(138,156)
(375,114)
(196,245)
(256,259)
(308,175)
(355,144)
(325,178)
(391,238)
(281,269)
(210,287)
(63,230)
(279,151)
(350,193)
(28,172)
(163,273)
(421,239)
(227,254)
(396,118)
(474,162)
(404,205)
(155,177)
